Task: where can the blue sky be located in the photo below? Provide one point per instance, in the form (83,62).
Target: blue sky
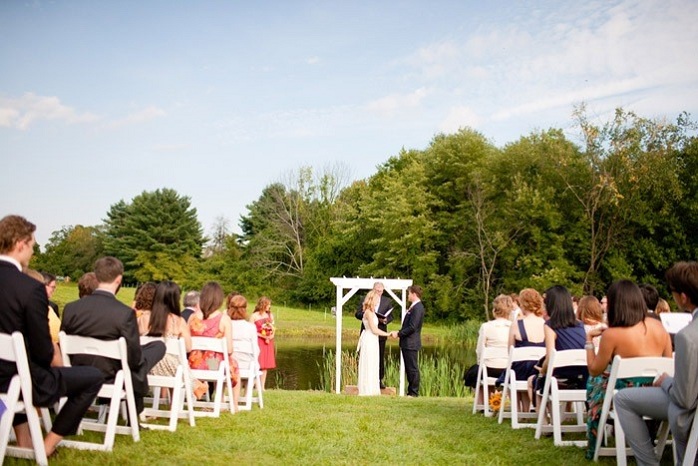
(100,101)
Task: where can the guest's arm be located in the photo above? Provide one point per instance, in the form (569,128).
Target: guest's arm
(185,334)
(683,387)
(129,330)
(227,329)
(550,337)
(40,347)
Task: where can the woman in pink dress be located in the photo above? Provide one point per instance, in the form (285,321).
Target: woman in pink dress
(215,324)
(264,322)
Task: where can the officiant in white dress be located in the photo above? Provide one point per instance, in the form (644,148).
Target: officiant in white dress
(383,309)
(369,361)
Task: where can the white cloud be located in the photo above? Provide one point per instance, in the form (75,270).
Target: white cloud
(141,116)
(20,113)
(460,117)
(394,103)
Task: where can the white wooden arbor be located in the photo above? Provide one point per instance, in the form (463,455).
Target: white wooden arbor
(354,285)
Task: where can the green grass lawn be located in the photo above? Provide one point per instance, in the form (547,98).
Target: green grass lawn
(310,427)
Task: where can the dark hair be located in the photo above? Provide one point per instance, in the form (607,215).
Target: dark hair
(165,302)
(682,277)
(626,305)
(108,268)
(14,229)
(237,307)
(650,295)
(48,278)
(211,298)
(558,305)
(416,289)
(145,296)
(87,284)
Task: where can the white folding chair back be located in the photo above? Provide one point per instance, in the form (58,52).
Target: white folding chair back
(121,390)
(178,384)
(674,321)
(558,398)
(623,368)
(220,376)
(249,372)
(18,399)
(689,456)
(484,381)
(512,387)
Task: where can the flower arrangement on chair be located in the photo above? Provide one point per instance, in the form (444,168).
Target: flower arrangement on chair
(495,401)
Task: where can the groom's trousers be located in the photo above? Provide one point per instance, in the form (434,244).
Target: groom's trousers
(412,371)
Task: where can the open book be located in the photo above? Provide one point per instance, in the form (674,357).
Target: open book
(387,313)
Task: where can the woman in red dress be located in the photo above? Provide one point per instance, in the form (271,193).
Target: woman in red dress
(264,322)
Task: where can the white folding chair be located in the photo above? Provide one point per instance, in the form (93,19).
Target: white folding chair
(623,368)
(219,376)
(121,390)
(689,456)
(249,372)
(18,399)
(179,384)
(484,381)
(512,387)
(674,321)
(558,398)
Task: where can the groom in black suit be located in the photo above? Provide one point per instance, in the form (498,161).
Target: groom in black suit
(102,316)
(411,338)
(384,306)
(24,308)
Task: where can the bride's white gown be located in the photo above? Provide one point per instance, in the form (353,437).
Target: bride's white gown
(368,360)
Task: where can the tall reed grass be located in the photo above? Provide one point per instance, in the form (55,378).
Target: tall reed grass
(465,333)
(439,376)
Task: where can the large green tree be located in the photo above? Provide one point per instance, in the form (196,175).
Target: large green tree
(71,251)
(157,235)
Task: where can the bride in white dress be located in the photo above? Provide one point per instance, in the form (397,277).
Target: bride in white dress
(369,383)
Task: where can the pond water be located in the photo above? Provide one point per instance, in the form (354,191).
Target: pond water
(298,360)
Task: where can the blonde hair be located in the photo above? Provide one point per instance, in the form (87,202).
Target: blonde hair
(589,309)
(502,306)
(662,306)
(531,302)
(370,301)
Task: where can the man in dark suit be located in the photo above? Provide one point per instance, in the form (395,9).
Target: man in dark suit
(100,315)
(24,308)
(191,305)
(410,336)
(385,305)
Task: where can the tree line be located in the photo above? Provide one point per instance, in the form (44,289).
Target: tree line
(463,218)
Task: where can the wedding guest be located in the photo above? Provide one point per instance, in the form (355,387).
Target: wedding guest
(143,301)
(87,284)
(164,321)
(672,398)
(529,330)
(49,281)
(264,321)
(589,312)
(24,307)
(493,334)
(651,298)
(629,334)
(54,323)
(243,331)
(562,332)
(214,324)
(191,305)
(662,307)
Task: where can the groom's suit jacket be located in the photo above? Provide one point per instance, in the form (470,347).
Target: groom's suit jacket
(411,332)
(102,316)
(24,308)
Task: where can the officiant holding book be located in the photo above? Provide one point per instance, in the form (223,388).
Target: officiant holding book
(384,312)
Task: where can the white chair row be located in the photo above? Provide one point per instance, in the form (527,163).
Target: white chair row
(485,381)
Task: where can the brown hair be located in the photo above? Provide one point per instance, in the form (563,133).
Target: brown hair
(531,301)
(262,304)
(87,284)
(145,296)
(502,306)
(662,307)
(211,298)
(237,307)
(14,229)
(108,268)
(682,277)
(416,289)
(589,308)
(36,275)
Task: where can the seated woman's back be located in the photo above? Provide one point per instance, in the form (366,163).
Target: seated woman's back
(646,338)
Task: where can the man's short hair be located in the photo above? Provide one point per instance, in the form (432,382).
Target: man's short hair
(416,289)
(682,277)
(191,299)
(108,268)
(48,278)
(651,296)
(14,229)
